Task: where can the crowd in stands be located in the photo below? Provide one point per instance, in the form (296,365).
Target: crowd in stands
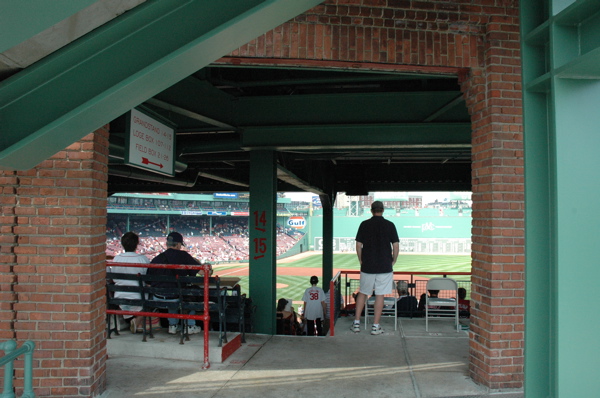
(227,240)
(133,203)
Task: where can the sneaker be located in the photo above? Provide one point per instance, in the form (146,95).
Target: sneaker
(172,329)
(194,330)
(133,326)
(376,330)
(355,327)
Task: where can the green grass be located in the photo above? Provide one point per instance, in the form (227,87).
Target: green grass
(406,262)
(348,261)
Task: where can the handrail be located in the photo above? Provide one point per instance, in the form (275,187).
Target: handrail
(205,317)
(12,352)
(333,302)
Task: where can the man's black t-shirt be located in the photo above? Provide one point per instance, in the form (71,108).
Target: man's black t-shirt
(377,235)
(172,256)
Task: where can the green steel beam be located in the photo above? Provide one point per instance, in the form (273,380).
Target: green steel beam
(575,236)
(22,19)
(284,174)
(434,135)
(99,77)
(394,107)
(561,68)
(263,241)
(328,234)
(200,97)
(170,108)
(351,78)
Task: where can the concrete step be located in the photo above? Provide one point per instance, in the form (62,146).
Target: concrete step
(167,346)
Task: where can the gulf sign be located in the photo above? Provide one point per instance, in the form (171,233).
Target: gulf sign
(297,222)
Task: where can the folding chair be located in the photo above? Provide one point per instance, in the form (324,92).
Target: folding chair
(451,310)
(390,301)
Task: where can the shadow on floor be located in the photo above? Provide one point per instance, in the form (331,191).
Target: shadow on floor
(407,362)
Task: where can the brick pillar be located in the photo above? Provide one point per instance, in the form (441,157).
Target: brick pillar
(497,321)
(8,220)
(53,237)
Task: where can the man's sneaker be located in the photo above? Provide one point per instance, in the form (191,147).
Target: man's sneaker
(376,330)
(355,327)
(172,329)
(194,330)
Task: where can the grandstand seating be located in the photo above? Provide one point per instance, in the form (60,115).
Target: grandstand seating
(227,241)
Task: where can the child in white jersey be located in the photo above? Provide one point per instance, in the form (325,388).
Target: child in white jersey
(314,307)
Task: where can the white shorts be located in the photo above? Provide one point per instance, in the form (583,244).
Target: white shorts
(130,308)
(380,283)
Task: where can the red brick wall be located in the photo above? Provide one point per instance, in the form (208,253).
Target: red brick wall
(53,217)
(479,38)
(498,211)
(52,265)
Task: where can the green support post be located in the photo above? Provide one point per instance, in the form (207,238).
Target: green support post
(327,245)
(561,90)
(262,226)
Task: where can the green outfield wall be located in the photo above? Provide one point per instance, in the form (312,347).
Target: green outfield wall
(434,234)
(408,227)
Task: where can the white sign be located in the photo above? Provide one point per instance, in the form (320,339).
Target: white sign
(390,196)
(151,144)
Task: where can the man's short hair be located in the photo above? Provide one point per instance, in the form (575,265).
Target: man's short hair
(377,206)
(173,238)
(130,241)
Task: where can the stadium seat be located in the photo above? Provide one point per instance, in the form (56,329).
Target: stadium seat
(446,307)
(389,307)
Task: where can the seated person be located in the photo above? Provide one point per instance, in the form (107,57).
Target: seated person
(464,306)
(286,313)
(407,305)
(350,309)
(174,255)
(422,301)
(130,242)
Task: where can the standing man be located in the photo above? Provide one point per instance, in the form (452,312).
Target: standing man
(174,255)
(377,247)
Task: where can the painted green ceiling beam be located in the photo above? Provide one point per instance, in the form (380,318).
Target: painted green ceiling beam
(350,78)
(395,107)
(22,19)
(200,97)
(422,135)
(120,65)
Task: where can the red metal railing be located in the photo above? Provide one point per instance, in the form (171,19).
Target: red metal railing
(205,317)
(333,301)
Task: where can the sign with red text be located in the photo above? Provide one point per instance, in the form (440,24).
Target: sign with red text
(150,144)
(259,246)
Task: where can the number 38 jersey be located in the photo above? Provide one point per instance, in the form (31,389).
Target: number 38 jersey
(313,297)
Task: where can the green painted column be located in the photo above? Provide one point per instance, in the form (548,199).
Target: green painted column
(262,225)
(561,93)
(327,246)
(574,240)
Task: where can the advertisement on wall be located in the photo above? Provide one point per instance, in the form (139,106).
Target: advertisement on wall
(297,222)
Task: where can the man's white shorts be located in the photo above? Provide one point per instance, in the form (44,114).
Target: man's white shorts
(380,283)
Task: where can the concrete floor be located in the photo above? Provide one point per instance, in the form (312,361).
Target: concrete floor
(408,362)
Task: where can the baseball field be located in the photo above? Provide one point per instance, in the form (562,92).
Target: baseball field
(293,273)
